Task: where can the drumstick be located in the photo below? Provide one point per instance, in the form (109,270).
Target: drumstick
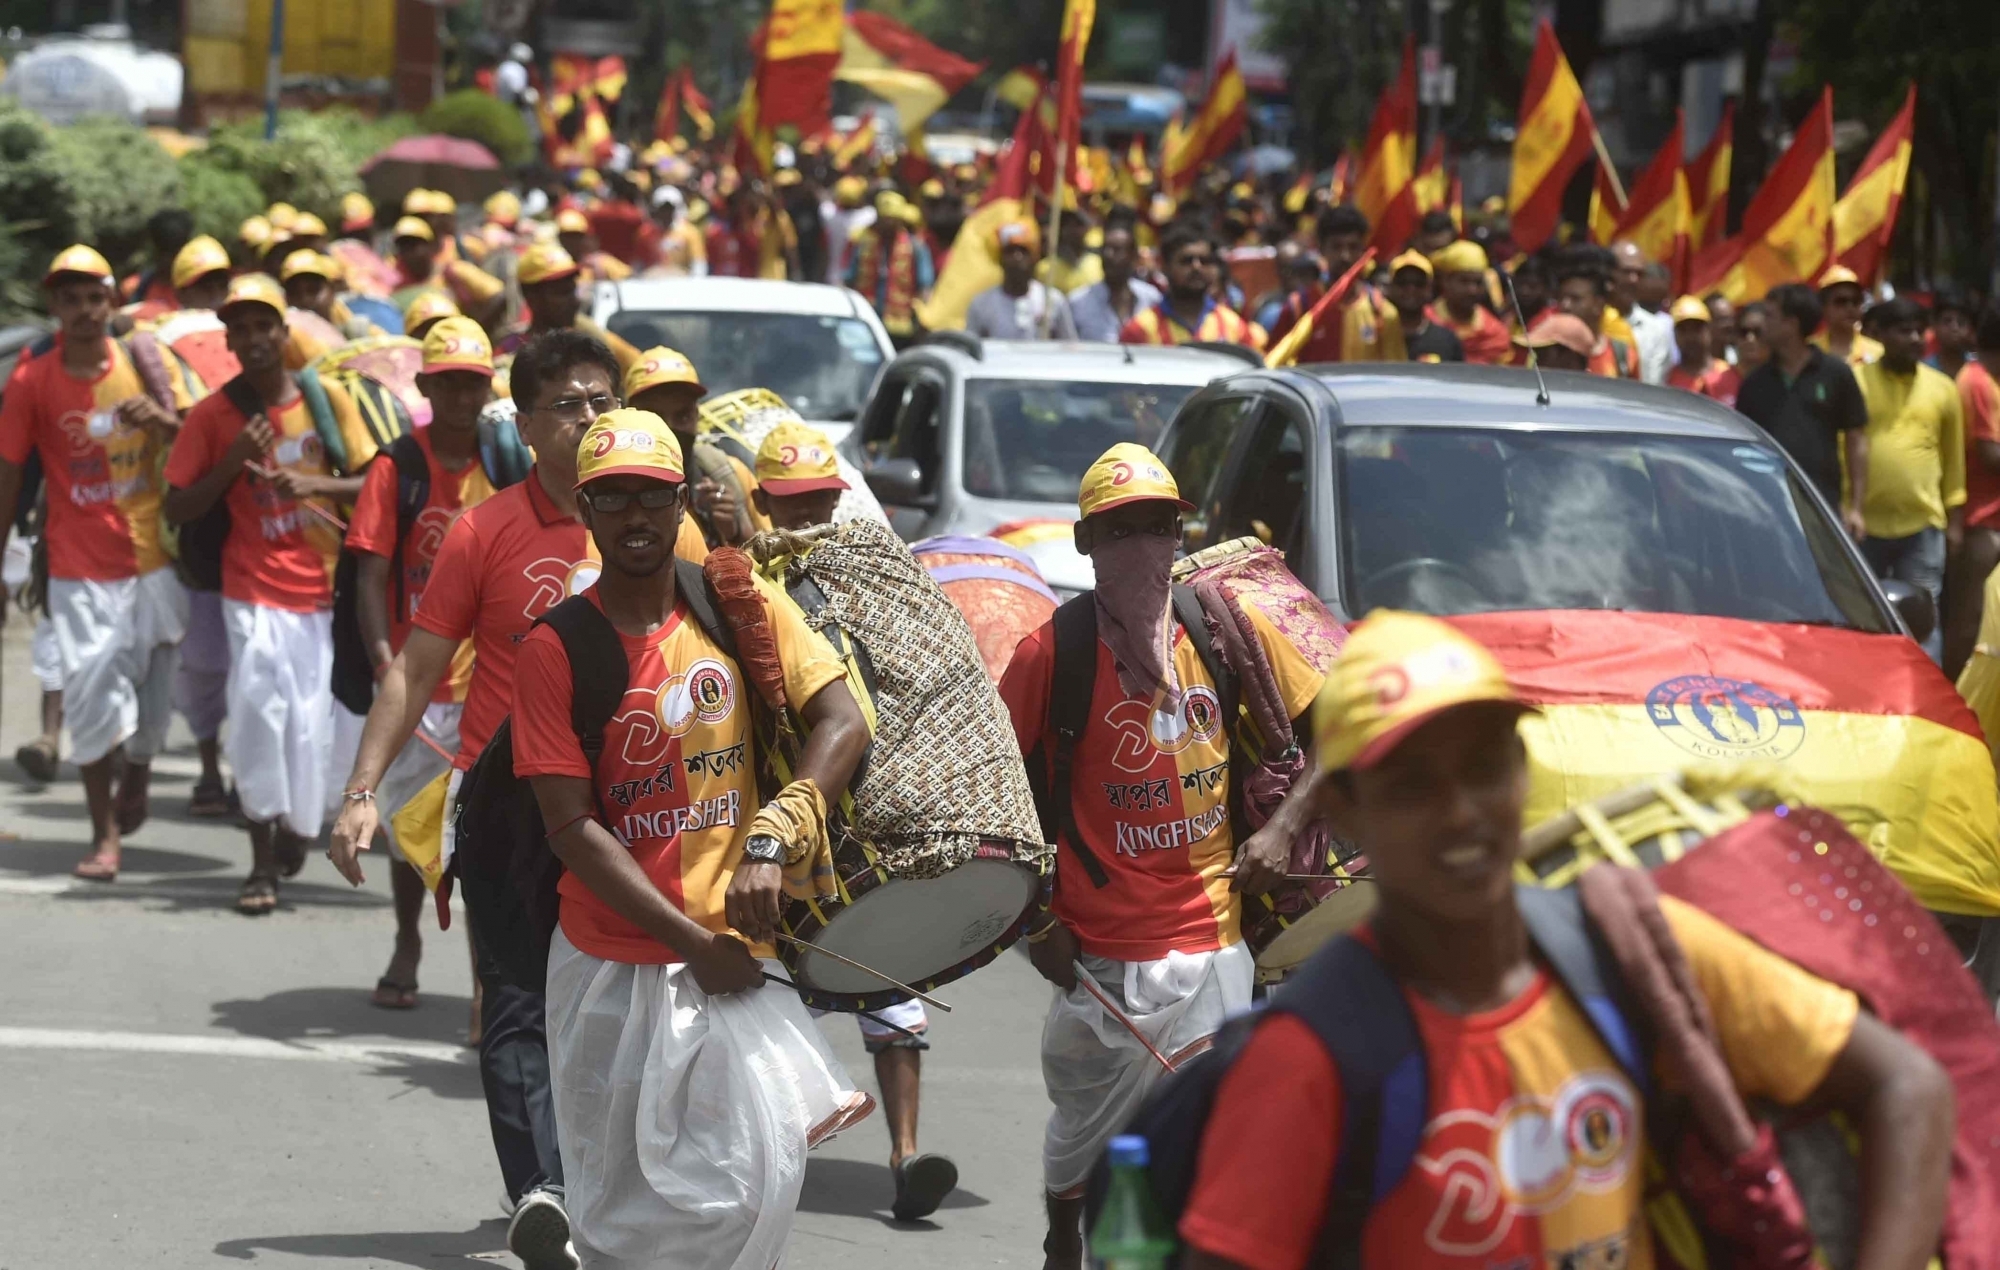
(872,1018)
(897,984)
(271,474)
(1090,986)
(1327,877)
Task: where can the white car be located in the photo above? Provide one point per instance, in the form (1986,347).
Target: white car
(817,346)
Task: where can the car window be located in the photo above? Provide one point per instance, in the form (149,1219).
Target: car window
(822,366)
(1194,452)
(1473,520)
(1033,439)
(1263,493)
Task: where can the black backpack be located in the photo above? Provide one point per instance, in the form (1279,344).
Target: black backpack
(1358,1012)
(506,462)
(502,858)
(1074,680)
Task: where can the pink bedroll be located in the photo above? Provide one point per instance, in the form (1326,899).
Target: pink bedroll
(996,587)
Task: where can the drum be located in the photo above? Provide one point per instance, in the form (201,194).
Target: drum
(997,588)
(1288,925)
(925,933)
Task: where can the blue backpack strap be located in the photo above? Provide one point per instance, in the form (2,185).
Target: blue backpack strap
(1358,1012)
(1562,934)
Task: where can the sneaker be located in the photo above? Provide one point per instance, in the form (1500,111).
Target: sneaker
(539,1232)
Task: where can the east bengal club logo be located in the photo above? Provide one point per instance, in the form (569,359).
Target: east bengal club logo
(1144,732)
(612,439)
(1731,719)
(711,691)
(556,580)
(86,430)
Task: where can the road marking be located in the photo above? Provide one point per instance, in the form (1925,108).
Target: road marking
(37,886)
(304,1049)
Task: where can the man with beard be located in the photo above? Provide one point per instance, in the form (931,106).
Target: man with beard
(1461,273)
(1189,312)
(1102,309)
(1148,869)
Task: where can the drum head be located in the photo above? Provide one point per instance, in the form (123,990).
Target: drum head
(1337,914)
(922,933)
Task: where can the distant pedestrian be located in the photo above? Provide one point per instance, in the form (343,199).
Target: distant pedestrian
(1020,308)
(1102,309)
(1807,400)
(1699,370)
(1972,340)
(1189,311)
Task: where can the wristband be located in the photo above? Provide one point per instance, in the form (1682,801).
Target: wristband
(360,795)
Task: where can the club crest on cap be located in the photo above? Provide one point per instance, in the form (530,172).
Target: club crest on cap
(612,440)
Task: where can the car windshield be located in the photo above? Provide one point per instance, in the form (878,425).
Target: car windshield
(822,366)
(1032,439)
(1452,521)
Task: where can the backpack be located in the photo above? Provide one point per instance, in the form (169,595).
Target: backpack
(1358,1012)
(502,857)
(1070,689)
(506,462)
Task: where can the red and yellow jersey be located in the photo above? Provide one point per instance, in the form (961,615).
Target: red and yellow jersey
(1614,358)
(279,553)
(502,565)
(1718,380)
(104,487)
(1486,339)
(372,529)
(1532,1150)
(1158,325)
(1150,792)
(1368,328)
(677,778)
(1862,725)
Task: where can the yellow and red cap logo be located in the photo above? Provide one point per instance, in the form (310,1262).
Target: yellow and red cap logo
(544,262)
(797,459)
(629,442)
(198,258)
(79,259)
(1127,473)
(457,343)
(658,366)
(253,288)
(1396,672)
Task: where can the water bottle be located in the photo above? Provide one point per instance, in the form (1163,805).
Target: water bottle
(1130,1233)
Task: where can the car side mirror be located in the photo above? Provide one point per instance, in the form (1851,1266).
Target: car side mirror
(1913,604)
(898,483)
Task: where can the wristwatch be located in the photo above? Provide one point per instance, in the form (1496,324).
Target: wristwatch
(764,849)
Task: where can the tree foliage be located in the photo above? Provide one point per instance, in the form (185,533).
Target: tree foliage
(219,198)
(114,178)
(476,115)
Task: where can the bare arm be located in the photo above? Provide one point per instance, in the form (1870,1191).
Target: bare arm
(10,499)
(1902,1103)
(371,609)
(400,698)
(1857,482)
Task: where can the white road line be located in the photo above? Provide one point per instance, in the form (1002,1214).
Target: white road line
(37,886)
(302,1050)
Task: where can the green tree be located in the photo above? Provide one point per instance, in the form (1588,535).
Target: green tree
(219,198)
(114,177)
(479,116)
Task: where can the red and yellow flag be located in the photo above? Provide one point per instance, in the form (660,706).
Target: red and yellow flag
(1137,164)
(1337,184)
(901,67)
(800,50)
(1552,142)
(698,107)
(1215,128)
(1389,161)
(1864,220)
(1078,17)
(1656,211)
(751,149)
(1708,184)
(855,144)
(1286,351)
(667,118)
(1607,207)
(1432,184)
(1787,233)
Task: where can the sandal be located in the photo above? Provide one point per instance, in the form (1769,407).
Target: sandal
(98,866)
(258,895)
(290,849)
(390,995)
(209,800)
(38,758)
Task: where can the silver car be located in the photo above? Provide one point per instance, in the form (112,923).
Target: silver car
(964,436)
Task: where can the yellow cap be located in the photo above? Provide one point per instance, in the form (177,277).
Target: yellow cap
(571,221)
(658,366)
(198,256)
(797,459)
(932,188)
(255,231)
(1462,256)
(306,225)
(1127,473)
(1024,233)
(281,215)
(253,288)
(79,259)
(423,202)
(1396,672)
(629,442)
(1689,308)
(849,191)
(457,343)
(305,260)
(356,211)
(1412,260)
(503,208)
(1837,276)
(786,177)
(414,227)
(544,262)
(428,306)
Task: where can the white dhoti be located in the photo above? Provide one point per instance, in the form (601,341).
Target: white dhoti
(45,655)
(899,1026)
(280,712)
(1098,1073)
(684,1118)
(415,765)
(117,642)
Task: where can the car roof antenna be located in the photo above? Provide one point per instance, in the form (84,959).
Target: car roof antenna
(1534,362)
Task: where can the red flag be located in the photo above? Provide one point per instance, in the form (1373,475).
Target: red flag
(1551,143)
(667,118)
(800,51)
(905,50)
(1078,17)
(1388,161)
(1656,210)
(1708,184)
(1864,220)
(1215,128)
(1017,169)
(1787,233)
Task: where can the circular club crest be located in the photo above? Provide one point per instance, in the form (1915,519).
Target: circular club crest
(711,691)
(582,576)
(1198,719)
(1729,719)
(673,707)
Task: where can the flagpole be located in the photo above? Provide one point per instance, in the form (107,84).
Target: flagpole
(1604,157)
(1055,225)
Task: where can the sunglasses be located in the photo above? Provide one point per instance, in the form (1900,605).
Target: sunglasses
(652,500)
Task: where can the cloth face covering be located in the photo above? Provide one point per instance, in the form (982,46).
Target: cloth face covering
(1133,590)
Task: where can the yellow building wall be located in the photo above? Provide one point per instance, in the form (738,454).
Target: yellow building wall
(227,41)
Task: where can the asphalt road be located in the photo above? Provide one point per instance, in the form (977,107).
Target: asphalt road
(182,1086)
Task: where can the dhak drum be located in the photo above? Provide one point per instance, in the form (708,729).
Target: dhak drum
(1288,925)
(998,589)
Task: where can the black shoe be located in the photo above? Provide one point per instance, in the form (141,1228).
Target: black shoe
(539,1232)
(922,1182)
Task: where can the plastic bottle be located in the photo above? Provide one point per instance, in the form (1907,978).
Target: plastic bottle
(1130,1233)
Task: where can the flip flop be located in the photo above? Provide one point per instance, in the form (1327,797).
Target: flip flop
(38,759)
(257,896)
(98,866)
(209,801)
(390,995)
(922,1182)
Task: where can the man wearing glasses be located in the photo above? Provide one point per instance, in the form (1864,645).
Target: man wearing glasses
(1190,313)
(502,565)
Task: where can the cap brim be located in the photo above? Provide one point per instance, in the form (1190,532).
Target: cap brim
(1379,748)
(237,304)
(55,277)
(784,488)
(1106,506)
(659,474)
(439,368)
(700,389)
(557,276)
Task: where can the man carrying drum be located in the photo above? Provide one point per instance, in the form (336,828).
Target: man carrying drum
(1149,866)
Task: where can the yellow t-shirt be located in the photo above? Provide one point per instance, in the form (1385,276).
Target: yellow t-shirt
(1066,277)
(1916,449)
(1862,352)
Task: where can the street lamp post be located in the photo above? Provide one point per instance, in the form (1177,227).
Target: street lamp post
(274,69)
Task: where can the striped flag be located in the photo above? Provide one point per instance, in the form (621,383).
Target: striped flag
(1389,161)
(1708,184)
(1864,220)
(1607,207)
(1787,233)
(855,144)
(800,50)
(1656,212)
(1552,142)
(1215,128)
(901,67)
(1078,17)
(1432,184)
(1286,351)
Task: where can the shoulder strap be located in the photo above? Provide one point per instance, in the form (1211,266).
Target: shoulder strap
(320,407)
(597,665)
(243,395)
(501,451)
(1563,936)
(1188,612)
(413,491)
(148,360)
(1070,689)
